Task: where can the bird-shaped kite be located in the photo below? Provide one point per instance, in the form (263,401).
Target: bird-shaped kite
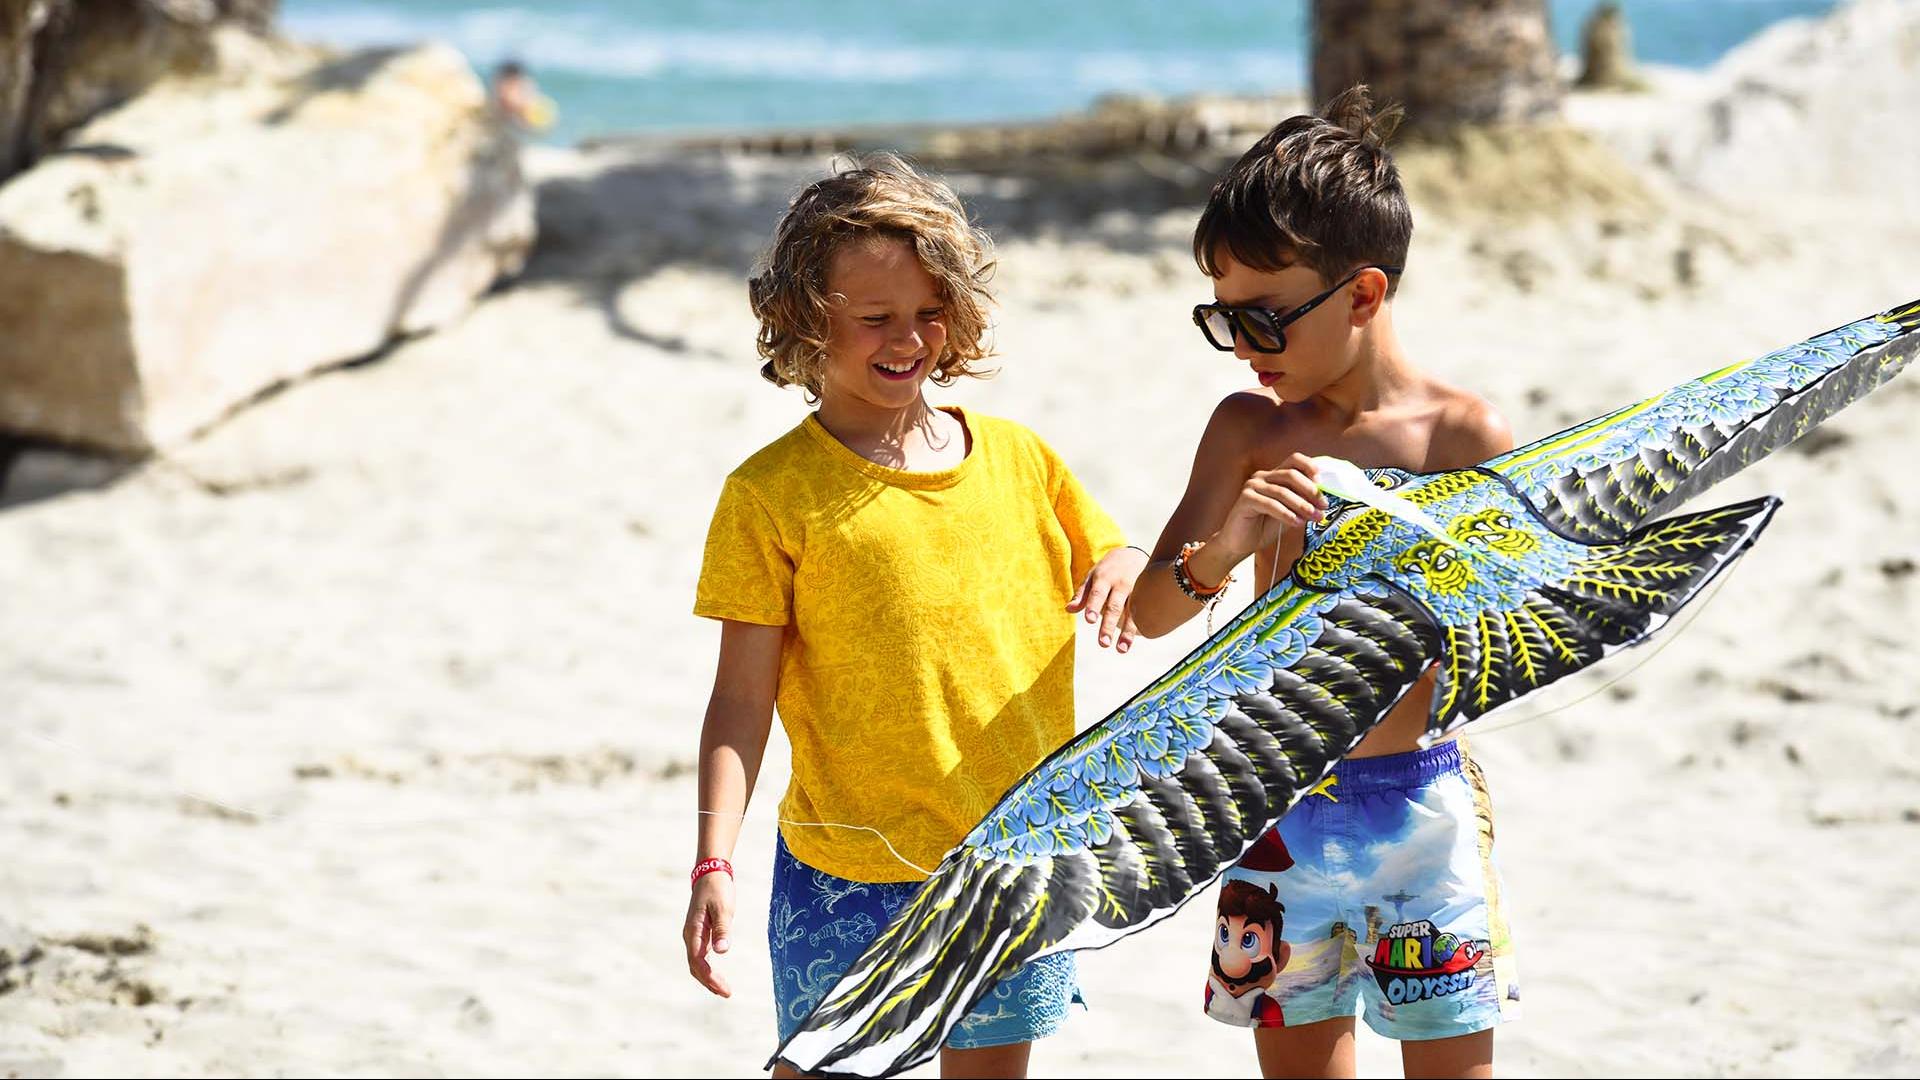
(1508,576)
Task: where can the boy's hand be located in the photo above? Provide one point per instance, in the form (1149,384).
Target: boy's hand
(709,917)
(1270,500)
(1103,596)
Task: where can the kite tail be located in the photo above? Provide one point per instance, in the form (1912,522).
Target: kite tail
(1671,480)
(974,922)
(1598,481)
(1612,599)
(1906,316)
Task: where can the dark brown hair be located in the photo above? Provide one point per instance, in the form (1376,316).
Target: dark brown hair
(1319,190)
(1253,904)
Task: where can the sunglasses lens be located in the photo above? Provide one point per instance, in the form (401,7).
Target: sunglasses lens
(1218,328)
(1223,325)
(1260,331)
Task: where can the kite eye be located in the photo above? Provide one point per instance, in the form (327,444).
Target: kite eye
(1223,933)
(1250,942)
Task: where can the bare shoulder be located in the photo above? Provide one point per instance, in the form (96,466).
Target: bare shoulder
(1243,412)
(1261,429)
(1239,424)
(1469,431)
(1239,437)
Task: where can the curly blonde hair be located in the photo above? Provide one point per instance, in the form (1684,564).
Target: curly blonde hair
(881,196)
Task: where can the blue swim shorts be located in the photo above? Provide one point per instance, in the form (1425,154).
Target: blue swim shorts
(819,924)
(1379,887)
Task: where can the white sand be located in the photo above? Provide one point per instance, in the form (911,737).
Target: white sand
(422,626)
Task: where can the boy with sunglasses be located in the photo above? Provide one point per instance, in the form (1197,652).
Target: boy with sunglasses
(1391,897)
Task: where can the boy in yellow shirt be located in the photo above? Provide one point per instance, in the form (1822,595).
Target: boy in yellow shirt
(898,580)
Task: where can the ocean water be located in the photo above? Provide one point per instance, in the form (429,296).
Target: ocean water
(641,65)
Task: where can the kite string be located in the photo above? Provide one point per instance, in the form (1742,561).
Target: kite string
(895,852)
(1273,576)
(258,815)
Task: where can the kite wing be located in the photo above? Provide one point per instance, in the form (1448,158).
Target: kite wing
(1117,829)
(1602,479)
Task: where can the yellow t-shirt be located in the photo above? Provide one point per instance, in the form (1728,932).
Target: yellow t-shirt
(928,660)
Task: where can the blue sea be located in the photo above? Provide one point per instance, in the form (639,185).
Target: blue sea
(640,65)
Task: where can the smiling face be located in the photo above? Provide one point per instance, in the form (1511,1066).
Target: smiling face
(886,329)
(1323,345)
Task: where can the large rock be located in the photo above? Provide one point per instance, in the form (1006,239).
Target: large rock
(1812,112)
(209,240)
(62,62)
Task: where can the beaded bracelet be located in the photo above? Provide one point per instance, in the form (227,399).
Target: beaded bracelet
(1183,577)
(707,866)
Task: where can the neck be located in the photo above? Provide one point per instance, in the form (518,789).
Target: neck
(1381,374)
(887,436)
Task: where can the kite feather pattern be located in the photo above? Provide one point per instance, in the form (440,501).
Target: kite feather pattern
(1561,554)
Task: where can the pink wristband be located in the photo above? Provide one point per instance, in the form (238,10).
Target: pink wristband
(707,866)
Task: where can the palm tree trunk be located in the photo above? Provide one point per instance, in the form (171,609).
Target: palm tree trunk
(1450,62)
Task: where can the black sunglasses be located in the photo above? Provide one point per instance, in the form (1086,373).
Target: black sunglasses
(1264,328)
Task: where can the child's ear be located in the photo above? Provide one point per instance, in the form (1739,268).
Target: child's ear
(1369,296)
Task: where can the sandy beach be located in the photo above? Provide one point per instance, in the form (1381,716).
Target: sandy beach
(356,737)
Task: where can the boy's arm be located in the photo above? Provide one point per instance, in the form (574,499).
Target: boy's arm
(1231,508)
(1158,606)
(732,742)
